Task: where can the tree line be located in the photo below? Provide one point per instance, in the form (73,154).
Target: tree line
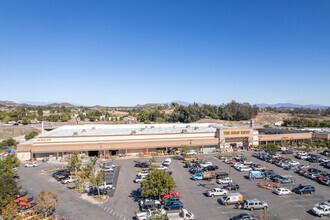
(303,122)
(232,111)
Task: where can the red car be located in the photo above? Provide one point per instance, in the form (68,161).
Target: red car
(171,194)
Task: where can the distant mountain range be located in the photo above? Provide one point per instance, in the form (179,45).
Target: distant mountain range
(28,103)
(290,105)
(152,105)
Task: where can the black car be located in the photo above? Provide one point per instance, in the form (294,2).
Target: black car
(312,159)
(210,168)
(142,165)
(195,170)
(62,176)
(222,175)
(245,216)
(326,152)
(95,192)
(287,152)
(303,189)
(231,187)
(170,200)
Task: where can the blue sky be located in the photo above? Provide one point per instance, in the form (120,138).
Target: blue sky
(134,52)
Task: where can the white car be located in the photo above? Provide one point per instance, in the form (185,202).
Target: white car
(161,167)
(225,180)
(323,159)
(34,164)
(191,153)
(67,180)
(247,162)
(143,173)
(139,179)
(284,165)
(106,186)
(294,163)
(206,164)
(217,192)
(321,210)
(282,191)
(244,169)
(107,169)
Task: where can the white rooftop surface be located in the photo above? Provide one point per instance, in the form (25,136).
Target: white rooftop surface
(97,130)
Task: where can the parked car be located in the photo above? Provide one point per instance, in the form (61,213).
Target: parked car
(68,179)
(94,192)
(171,194)
(211,168)
(216,192)
(143,173)
(161,167)
(224,180)
(34,164)
(206,164)
(243,216)
(256,175)
(146,204)
(170,200)
(142,165)
(167,162)
(244,169)
(149,213)
(282,191)
(231,186)
(303,189)
(107,169)
(321,210)
(326,182)
(139,179)
(294,163)
(291,167)
(231,198)
(254,204)
(106,186)
(174,205)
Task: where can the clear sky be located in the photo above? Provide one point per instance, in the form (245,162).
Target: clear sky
(119,52)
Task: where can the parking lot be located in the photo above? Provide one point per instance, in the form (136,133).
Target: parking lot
(123,204)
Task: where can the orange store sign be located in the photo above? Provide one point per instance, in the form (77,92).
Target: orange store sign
(235,132)
(44,139)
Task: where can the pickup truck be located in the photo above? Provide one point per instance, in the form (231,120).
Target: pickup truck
(183,215)
(207,175)
(224,180)
(149,214)
(67,180)
(106,186)
(231,186)
(217,192)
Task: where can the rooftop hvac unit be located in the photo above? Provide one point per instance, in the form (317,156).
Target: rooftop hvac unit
(210,126)
(93,128)
(196,128)
(133,132)
(75,133)
(83,130)
(184,130)
(152,126)
(188,126)
(142,129)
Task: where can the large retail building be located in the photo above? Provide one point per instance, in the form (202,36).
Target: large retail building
(134,139)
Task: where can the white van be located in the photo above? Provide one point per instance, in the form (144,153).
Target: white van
(231,198)
(167,162)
